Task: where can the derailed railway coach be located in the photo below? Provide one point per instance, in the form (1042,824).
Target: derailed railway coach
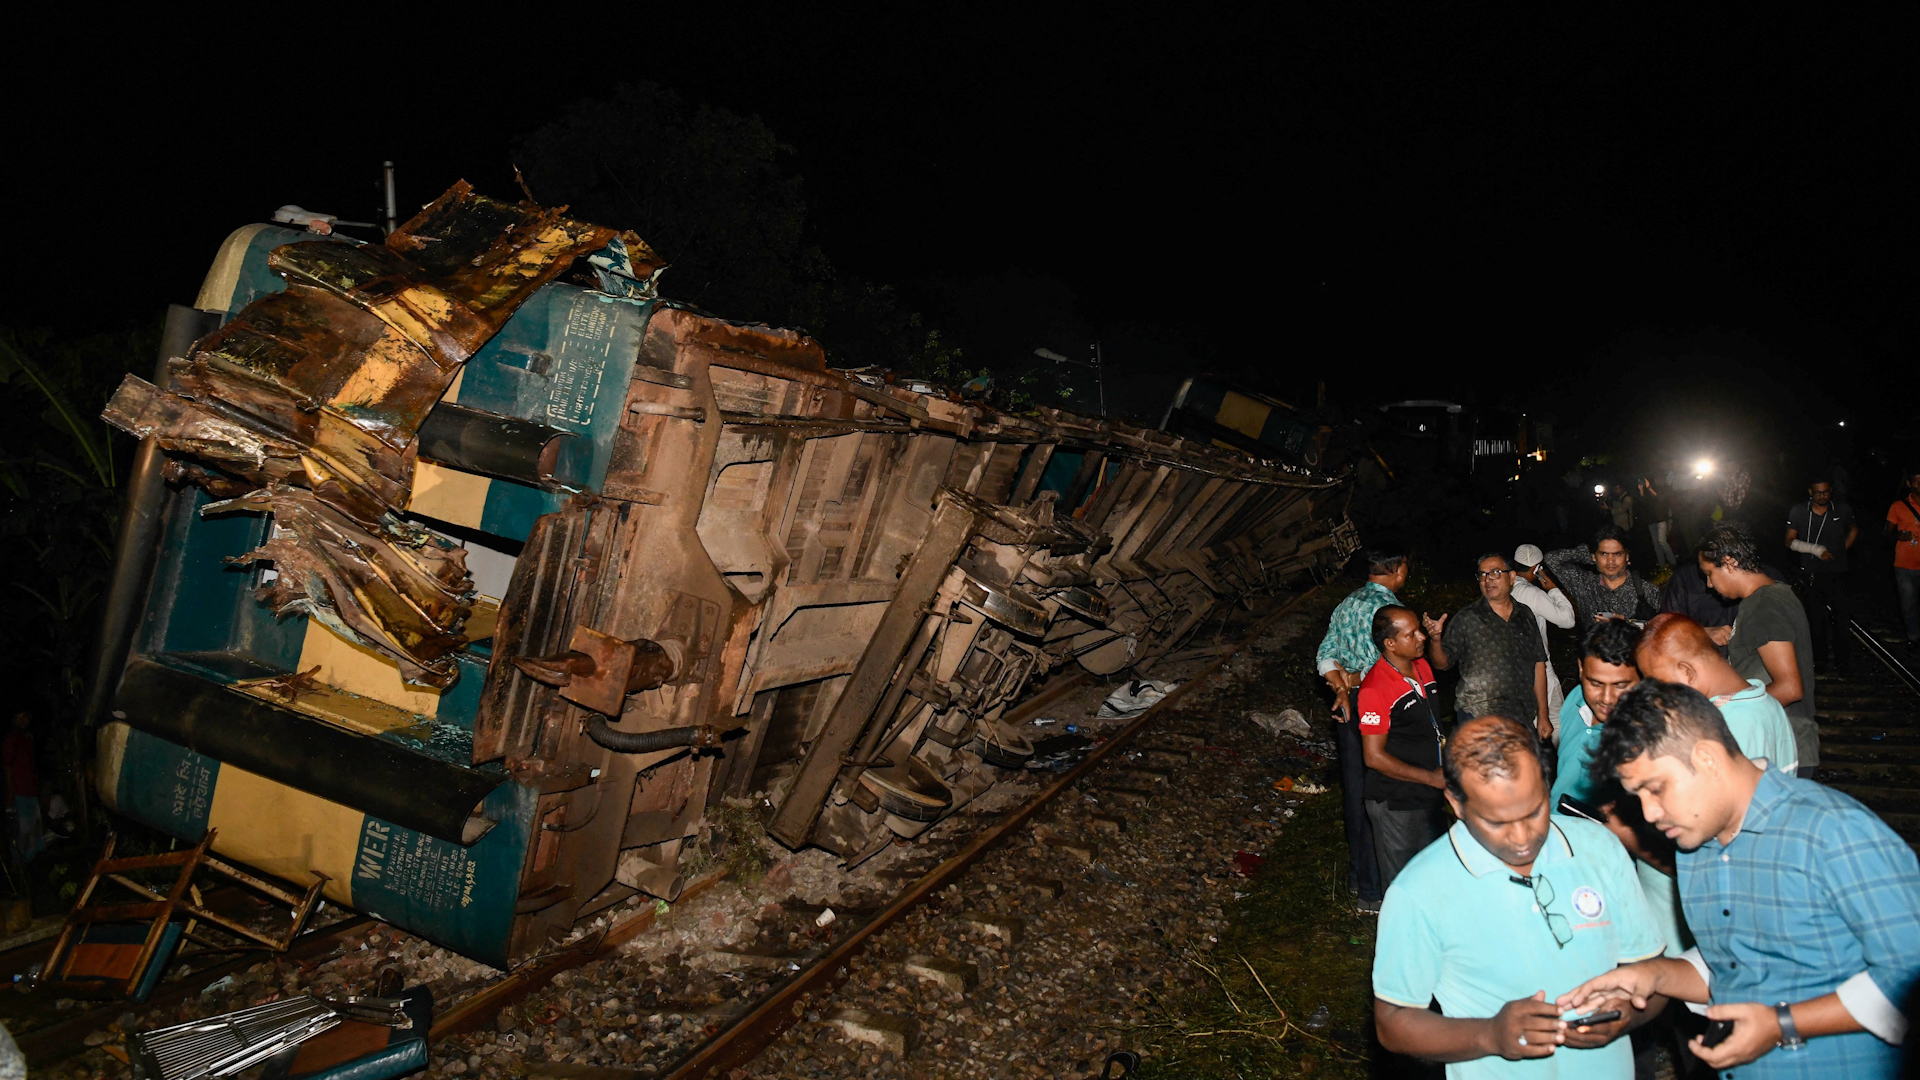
(469,574)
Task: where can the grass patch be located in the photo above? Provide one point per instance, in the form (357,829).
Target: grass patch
(1295,944)
(735,838)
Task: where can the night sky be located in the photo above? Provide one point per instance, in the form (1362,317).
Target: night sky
(1409,203)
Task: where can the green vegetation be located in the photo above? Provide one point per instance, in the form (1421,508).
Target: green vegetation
(59,510)
(1296,944)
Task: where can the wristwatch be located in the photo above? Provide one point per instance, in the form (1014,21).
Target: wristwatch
(1789,1035)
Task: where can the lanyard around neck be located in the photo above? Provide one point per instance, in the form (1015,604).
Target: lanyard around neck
(1815,538)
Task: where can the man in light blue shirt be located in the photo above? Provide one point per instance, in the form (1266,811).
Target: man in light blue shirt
(1606,671)
(1515,907)
(1805,904)
(1674,648)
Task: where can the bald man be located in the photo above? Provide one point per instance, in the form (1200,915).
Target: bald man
(1674,648)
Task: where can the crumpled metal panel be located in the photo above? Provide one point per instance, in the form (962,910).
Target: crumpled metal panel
(324,386)
(143,410)
(400,589)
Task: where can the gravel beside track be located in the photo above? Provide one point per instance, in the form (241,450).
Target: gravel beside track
(1048,954)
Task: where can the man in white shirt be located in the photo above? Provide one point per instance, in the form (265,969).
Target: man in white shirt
(1532,587)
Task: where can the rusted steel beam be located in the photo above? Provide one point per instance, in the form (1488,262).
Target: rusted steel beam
(752,1033)
(952,523)
(1058,688)
(825,380)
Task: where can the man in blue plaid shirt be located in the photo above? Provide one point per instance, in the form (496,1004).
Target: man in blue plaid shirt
(1805,906)
(1346,654)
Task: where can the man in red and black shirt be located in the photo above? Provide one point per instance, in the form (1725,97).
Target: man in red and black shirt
(1400,737)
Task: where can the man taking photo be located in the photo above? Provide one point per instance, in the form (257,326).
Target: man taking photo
(1516,902)
(1497,645)
(1805,905)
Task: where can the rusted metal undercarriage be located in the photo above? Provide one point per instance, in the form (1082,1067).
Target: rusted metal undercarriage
(745,573)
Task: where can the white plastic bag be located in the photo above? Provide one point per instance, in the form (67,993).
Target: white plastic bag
(1288,722)
(1134,698)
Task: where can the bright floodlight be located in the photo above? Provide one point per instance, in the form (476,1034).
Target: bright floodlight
(1599,489)
(1702,467)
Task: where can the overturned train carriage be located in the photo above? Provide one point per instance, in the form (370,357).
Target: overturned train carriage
(468,573)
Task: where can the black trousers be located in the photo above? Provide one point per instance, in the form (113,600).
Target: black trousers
(1399,835)
(1353,806)
(1829,610)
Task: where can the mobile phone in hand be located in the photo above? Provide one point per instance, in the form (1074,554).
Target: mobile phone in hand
(1717,1033)
(1575,808)
(1595,1019)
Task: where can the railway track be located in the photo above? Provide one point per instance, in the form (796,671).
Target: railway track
(740,1036)
(1870,728)
(745,1037)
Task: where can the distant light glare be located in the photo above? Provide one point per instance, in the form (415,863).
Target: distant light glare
(1599,489)
(1702,467)
(1843,423)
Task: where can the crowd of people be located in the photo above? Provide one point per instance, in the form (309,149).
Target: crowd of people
(1646,858)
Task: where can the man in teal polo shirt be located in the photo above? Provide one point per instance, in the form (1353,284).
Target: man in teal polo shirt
(1518,907)
(1606,671)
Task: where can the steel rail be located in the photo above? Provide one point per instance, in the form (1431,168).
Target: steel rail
(753,1031)
(1885,655)
(479,1010)
(744,1039)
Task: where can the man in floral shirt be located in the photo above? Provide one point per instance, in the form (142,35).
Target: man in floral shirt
(1346,654)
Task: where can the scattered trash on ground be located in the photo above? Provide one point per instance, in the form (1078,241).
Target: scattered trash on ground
(1134,698)
(225,1044)
(1059,753)
(1285,722)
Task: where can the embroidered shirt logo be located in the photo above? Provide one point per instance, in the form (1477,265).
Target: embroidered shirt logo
(1588,903)
(1370,718)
